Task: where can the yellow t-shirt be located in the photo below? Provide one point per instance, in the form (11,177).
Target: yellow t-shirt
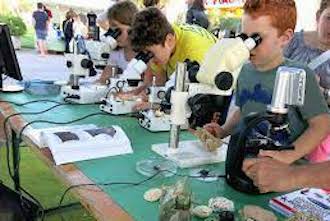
(192,42)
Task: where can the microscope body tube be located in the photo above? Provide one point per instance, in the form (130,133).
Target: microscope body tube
(177,106)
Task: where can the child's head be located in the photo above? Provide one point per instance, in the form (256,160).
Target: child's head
(323,22)
(121,16)
(275,21)
(152,32)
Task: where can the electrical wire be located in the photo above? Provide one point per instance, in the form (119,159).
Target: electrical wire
(159,171)
(19,138)
(112,88)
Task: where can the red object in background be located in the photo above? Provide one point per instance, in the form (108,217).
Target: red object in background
(49,13)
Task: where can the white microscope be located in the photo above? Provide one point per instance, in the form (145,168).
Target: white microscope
(129,80)
(217,75)
(86,55)
(99,50)
(155,119)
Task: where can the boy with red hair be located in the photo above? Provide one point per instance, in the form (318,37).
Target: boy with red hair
(274,21)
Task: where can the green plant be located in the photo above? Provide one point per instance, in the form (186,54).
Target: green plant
(16,24)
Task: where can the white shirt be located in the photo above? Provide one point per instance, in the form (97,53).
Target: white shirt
(117,58)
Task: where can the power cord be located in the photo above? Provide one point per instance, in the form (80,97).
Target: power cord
(19,138)
(156,168)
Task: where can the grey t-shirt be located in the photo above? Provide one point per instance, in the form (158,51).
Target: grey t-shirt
(41,18)
(298,50)
(255,89)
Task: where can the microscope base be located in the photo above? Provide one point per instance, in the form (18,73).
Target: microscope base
(190,153)
(155,123)
(89,93)
(118,107)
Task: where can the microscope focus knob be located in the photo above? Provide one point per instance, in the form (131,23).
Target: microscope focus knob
(86,63)
(69,64)
(105,55)
(224,80)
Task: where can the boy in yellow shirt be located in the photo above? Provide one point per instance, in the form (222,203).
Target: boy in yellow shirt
(169,43)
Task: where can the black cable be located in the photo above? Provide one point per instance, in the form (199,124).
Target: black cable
(60,123)
(107,184)
(108,92)
(29,102)
(159,171)
(29,113)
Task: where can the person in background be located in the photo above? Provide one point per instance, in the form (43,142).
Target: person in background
(152,3)
(196,14)
(80,25)
(49,12)
(40,22)
(308,46)
(67,26)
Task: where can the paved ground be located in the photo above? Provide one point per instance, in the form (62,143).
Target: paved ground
(51,67)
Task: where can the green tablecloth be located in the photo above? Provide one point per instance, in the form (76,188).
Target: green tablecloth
(122,168)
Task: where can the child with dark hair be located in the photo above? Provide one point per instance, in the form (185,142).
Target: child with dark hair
(150,3)
(120,16)
(169,43)
(310,123)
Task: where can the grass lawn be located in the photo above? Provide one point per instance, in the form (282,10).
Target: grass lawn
(27,40)
(38,179)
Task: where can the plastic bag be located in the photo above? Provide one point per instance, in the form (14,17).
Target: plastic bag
(41,88)
(176,202)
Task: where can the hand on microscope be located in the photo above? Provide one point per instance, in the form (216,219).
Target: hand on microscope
(269,174)
(284,156)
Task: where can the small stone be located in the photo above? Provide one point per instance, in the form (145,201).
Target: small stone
(219,204)
(257,213)
(153,194)
(201,211)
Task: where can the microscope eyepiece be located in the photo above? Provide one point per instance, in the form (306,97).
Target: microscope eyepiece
(257,38)
(113,32)
(144,56)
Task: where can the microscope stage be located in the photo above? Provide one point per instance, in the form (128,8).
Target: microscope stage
(117,107)
(87,93)
(154,123)
(190,153)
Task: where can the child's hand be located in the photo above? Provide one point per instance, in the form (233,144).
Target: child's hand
(269,174)
(215,130)
(284,156)
(140,106)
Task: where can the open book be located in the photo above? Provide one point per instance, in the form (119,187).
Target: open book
(310,200)
(76,144)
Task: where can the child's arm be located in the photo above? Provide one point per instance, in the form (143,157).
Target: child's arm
(226,129)
(106,74)
(318,129)
(271,175)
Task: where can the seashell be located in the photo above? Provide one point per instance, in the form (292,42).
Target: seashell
(219,204)
(153,194)
(201,211)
